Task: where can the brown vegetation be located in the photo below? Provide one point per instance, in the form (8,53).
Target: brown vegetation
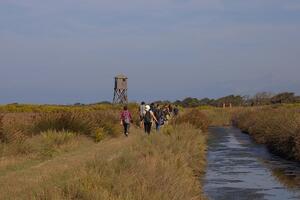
(165,166)
(220,116)
(278,128)
(49,154)
(194,117)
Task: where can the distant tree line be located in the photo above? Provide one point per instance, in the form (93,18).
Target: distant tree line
(262,98)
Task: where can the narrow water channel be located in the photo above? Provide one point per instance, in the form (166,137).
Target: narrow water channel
(239,169)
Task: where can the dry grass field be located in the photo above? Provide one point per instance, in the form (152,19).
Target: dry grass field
(81,154)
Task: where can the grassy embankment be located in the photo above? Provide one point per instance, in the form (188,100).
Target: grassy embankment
(53,154)
(278,126)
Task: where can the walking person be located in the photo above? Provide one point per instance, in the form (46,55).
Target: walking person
(176,111)
(166,115)
(126,119)
(152,107)
(158,113)
(170,109)
(148,119)
(142,113)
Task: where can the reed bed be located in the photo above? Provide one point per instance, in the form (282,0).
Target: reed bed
(278,128)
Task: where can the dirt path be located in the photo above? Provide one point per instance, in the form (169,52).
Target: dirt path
(18,181)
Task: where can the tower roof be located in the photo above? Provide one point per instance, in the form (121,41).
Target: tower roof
(121,76)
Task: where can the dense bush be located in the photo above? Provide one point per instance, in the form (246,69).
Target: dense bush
(278,128)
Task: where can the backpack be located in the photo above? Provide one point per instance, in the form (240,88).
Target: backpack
(147,117)
(161,121)
(158,114)
(176,111)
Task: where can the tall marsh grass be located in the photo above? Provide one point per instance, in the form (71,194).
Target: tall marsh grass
(278,128)
(19,130)
(20,126)
(78,122)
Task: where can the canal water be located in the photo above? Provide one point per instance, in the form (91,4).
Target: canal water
(239,169)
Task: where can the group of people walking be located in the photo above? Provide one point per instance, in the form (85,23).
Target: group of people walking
(153,114)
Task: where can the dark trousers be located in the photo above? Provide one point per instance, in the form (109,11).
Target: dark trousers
(126,128)
(157,126)
(147,127)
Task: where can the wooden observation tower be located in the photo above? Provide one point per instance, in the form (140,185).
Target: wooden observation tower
(120,90)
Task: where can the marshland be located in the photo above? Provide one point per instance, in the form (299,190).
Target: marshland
(79,152)
(149,100)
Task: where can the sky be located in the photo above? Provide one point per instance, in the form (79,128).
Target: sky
(68,51)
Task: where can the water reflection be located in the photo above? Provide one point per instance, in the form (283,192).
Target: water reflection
(290,180)
(240,169)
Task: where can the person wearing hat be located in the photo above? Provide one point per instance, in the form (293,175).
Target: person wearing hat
(148,119)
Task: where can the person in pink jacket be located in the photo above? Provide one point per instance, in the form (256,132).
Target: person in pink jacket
(126,119)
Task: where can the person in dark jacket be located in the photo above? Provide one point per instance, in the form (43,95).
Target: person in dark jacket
(148,119)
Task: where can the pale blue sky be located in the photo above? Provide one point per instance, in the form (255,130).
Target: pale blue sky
(66,51)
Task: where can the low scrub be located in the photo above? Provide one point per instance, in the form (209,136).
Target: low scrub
(194,117)
(57,138)
(54,142)
(15,126)
(219,116)
(86,123)
(96,124)
(21,133)
(164,166)
(17,148)
(78,122)
(278,128)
